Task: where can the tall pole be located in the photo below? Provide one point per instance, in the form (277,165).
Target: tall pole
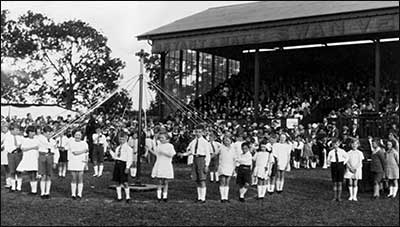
(256,82)
(140,134)
(377,74)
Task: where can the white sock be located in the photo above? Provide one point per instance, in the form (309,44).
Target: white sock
(282,182)
(243,191)
(277,183)
(8,181)
(80,189)
(259,191)
(211,176)
(127,193)
(165,194)
(395,189)
(351,193)
(19,183)
(73,188)
(13,184)
(198,193)
(95,170)
(272,188)
(60,171)
(222,192)
(390,190)
(159,192)
(33,186)
(101,167)
(48,185)
(264,190)
(355,190)
(42,187)
(64,172)
(226,195)
(216,176)
(203,193)
(119,192)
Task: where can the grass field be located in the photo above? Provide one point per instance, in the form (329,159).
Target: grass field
(305,201)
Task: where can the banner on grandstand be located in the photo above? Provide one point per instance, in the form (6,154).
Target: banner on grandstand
(292,122)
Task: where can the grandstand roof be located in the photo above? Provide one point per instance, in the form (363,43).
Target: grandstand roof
(265,11)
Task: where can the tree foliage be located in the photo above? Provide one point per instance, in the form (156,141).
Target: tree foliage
(72,53)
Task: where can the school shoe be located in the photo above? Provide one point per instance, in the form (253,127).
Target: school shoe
(118,200)
(159,200)
(78,197)
(197,201)
(165,200)
(73,197)
(7,186)
(128,200)
(203,201)
(32,193)
(279,192)
(242,199)
(355,199)
(222,201)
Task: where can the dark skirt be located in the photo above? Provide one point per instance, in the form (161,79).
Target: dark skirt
(63,156)
(337,171)
(243,175)
(297,155)
(119,174)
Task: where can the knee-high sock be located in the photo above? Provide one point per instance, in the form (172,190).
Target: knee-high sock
(222,192)
(127,193)
(42,187)
(165,194)
(282,183)
(351,192)
(64,171)
(211,176)
(33,186)
(48,186)
(60,168)
(335,192)
(244,190)
(80,189)
(278,184)
(390,190)
(95,168)
(159,192)
(101,168)
(203,193)
(73,188)
(395,189)
(198,193)
(226,192)
(259,191)
(19,183)
(339,191)
(264,190)
(119,192)
(272,187)
(355,190)
(376,190)
(8,181)
(216,176)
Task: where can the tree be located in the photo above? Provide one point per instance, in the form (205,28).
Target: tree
(73,53)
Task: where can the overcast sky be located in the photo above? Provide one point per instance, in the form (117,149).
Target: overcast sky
(119,21)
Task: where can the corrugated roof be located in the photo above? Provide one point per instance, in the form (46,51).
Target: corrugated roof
(265,11)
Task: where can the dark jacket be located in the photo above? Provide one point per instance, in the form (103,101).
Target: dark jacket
(378,162)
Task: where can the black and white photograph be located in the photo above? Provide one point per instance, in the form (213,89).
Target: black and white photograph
(200,113)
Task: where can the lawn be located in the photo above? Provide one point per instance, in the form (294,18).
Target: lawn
(305,201)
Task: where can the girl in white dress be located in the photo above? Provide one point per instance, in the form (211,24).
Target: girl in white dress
(29,162)
(226,167)
(163,169)
(354,169)
(261,159)
(282,151)
(77,158)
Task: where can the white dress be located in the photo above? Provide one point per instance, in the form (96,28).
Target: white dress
(77,162)
(227,161)
(261,159)
(282,153)
(4,158)
(163,166)
(30,158)
(355,158)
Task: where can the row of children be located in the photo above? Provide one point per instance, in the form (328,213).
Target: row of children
(222,160)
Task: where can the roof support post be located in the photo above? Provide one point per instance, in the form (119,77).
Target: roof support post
(162,83)
(256,82)
(213,71)
(227,68)
(180,92)
(197,73)
(377,74)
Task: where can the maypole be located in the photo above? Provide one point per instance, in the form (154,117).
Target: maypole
(141,55)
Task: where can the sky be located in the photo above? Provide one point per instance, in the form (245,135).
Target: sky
(119,21)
